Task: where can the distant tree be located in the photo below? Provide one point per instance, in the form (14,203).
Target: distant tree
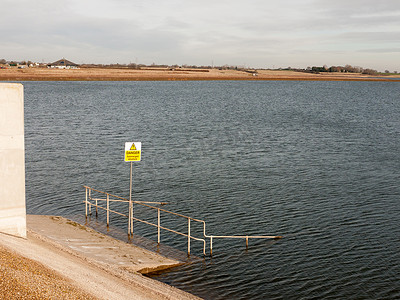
(335,69)
(387,71)
(3,61)
(351,69)
(369,72)
(132,66)
(318,69)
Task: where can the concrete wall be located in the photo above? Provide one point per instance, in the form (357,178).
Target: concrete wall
(12,160)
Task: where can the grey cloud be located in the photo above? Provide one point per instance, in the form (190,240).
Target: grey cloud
(72,31)
(178,31)
(341,14)
(370,37)
(349,7)
(381,50)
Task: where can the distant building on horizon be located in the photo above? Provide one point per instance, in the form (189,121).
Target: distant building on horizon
(63,64)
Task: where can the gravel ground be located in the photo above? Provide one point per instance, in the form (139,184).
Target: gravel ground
(46,266)
(22,278)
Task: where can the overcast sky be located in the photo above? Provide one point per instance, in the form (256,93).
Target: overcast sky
(254,33)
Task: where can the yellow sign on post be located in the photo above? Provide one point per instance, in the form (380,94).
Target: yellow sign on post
(133,151)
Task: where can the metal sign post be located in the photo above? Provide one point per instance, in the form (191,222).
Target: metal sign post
(132,153)
(130,225)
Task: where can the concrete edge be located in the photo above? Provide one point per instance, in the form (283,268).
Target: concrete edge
(121,273)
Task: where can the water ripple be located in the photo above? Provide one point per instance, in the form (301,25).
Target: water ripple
(316,162)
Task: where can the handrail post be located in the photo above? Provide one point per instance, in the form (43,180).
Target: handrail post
(188,236)
(86,202)
(158,227)
(132,218)
(108,210)
(247,242)
(211,238)
(90,204)
(96,209)
(129,218)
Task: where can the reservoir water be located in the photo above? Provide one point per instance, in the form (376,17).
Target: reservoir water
(315,162)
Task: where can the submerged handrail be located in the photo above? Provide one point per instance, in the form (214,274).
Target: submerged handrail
(89,204)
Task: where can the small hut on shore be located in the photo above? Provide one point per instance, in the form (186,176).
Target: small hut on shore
(63,64)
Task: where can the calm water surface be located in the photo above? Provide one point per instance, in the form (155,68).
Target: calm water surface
(316,162)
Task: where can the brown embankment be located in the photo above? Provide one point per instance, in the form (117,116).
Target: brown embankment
(107,74)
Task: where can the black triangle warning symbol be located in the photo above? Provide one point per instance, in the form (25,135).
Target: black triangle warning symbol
(133,147)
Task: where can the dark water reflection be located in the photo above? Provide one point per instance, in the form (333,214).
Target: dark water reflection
(316,162)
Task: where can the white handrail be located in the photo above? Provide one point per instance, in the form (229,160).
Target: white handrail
(89,204)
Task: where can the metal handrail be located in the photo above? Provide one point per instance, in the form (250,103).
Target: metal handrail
(130,216)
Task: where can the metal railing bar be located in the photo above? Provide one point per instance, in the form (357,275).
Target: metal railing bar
(240,236)
(89,204)
(144,204)
(176,232)
(148,223)
(127,201)
(118,213)
(246,236)
(153,207)
(187,217)
(113,200)
(118,197)
(171,212)
(168,229)
(115,196)
(103,208)
(151,202)
(183,234)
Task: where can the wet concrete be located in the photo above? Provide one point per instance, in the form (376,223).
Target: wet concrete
(97,246)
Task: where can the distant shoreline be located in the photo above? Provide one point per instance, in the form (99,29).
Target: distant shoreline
(159,74)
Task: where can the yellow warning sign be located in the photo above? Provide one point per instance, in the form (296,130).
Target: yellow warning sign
(133,151)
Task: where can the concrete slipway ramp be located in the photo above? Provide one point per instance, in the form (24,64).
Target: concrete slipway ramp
(97,264)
